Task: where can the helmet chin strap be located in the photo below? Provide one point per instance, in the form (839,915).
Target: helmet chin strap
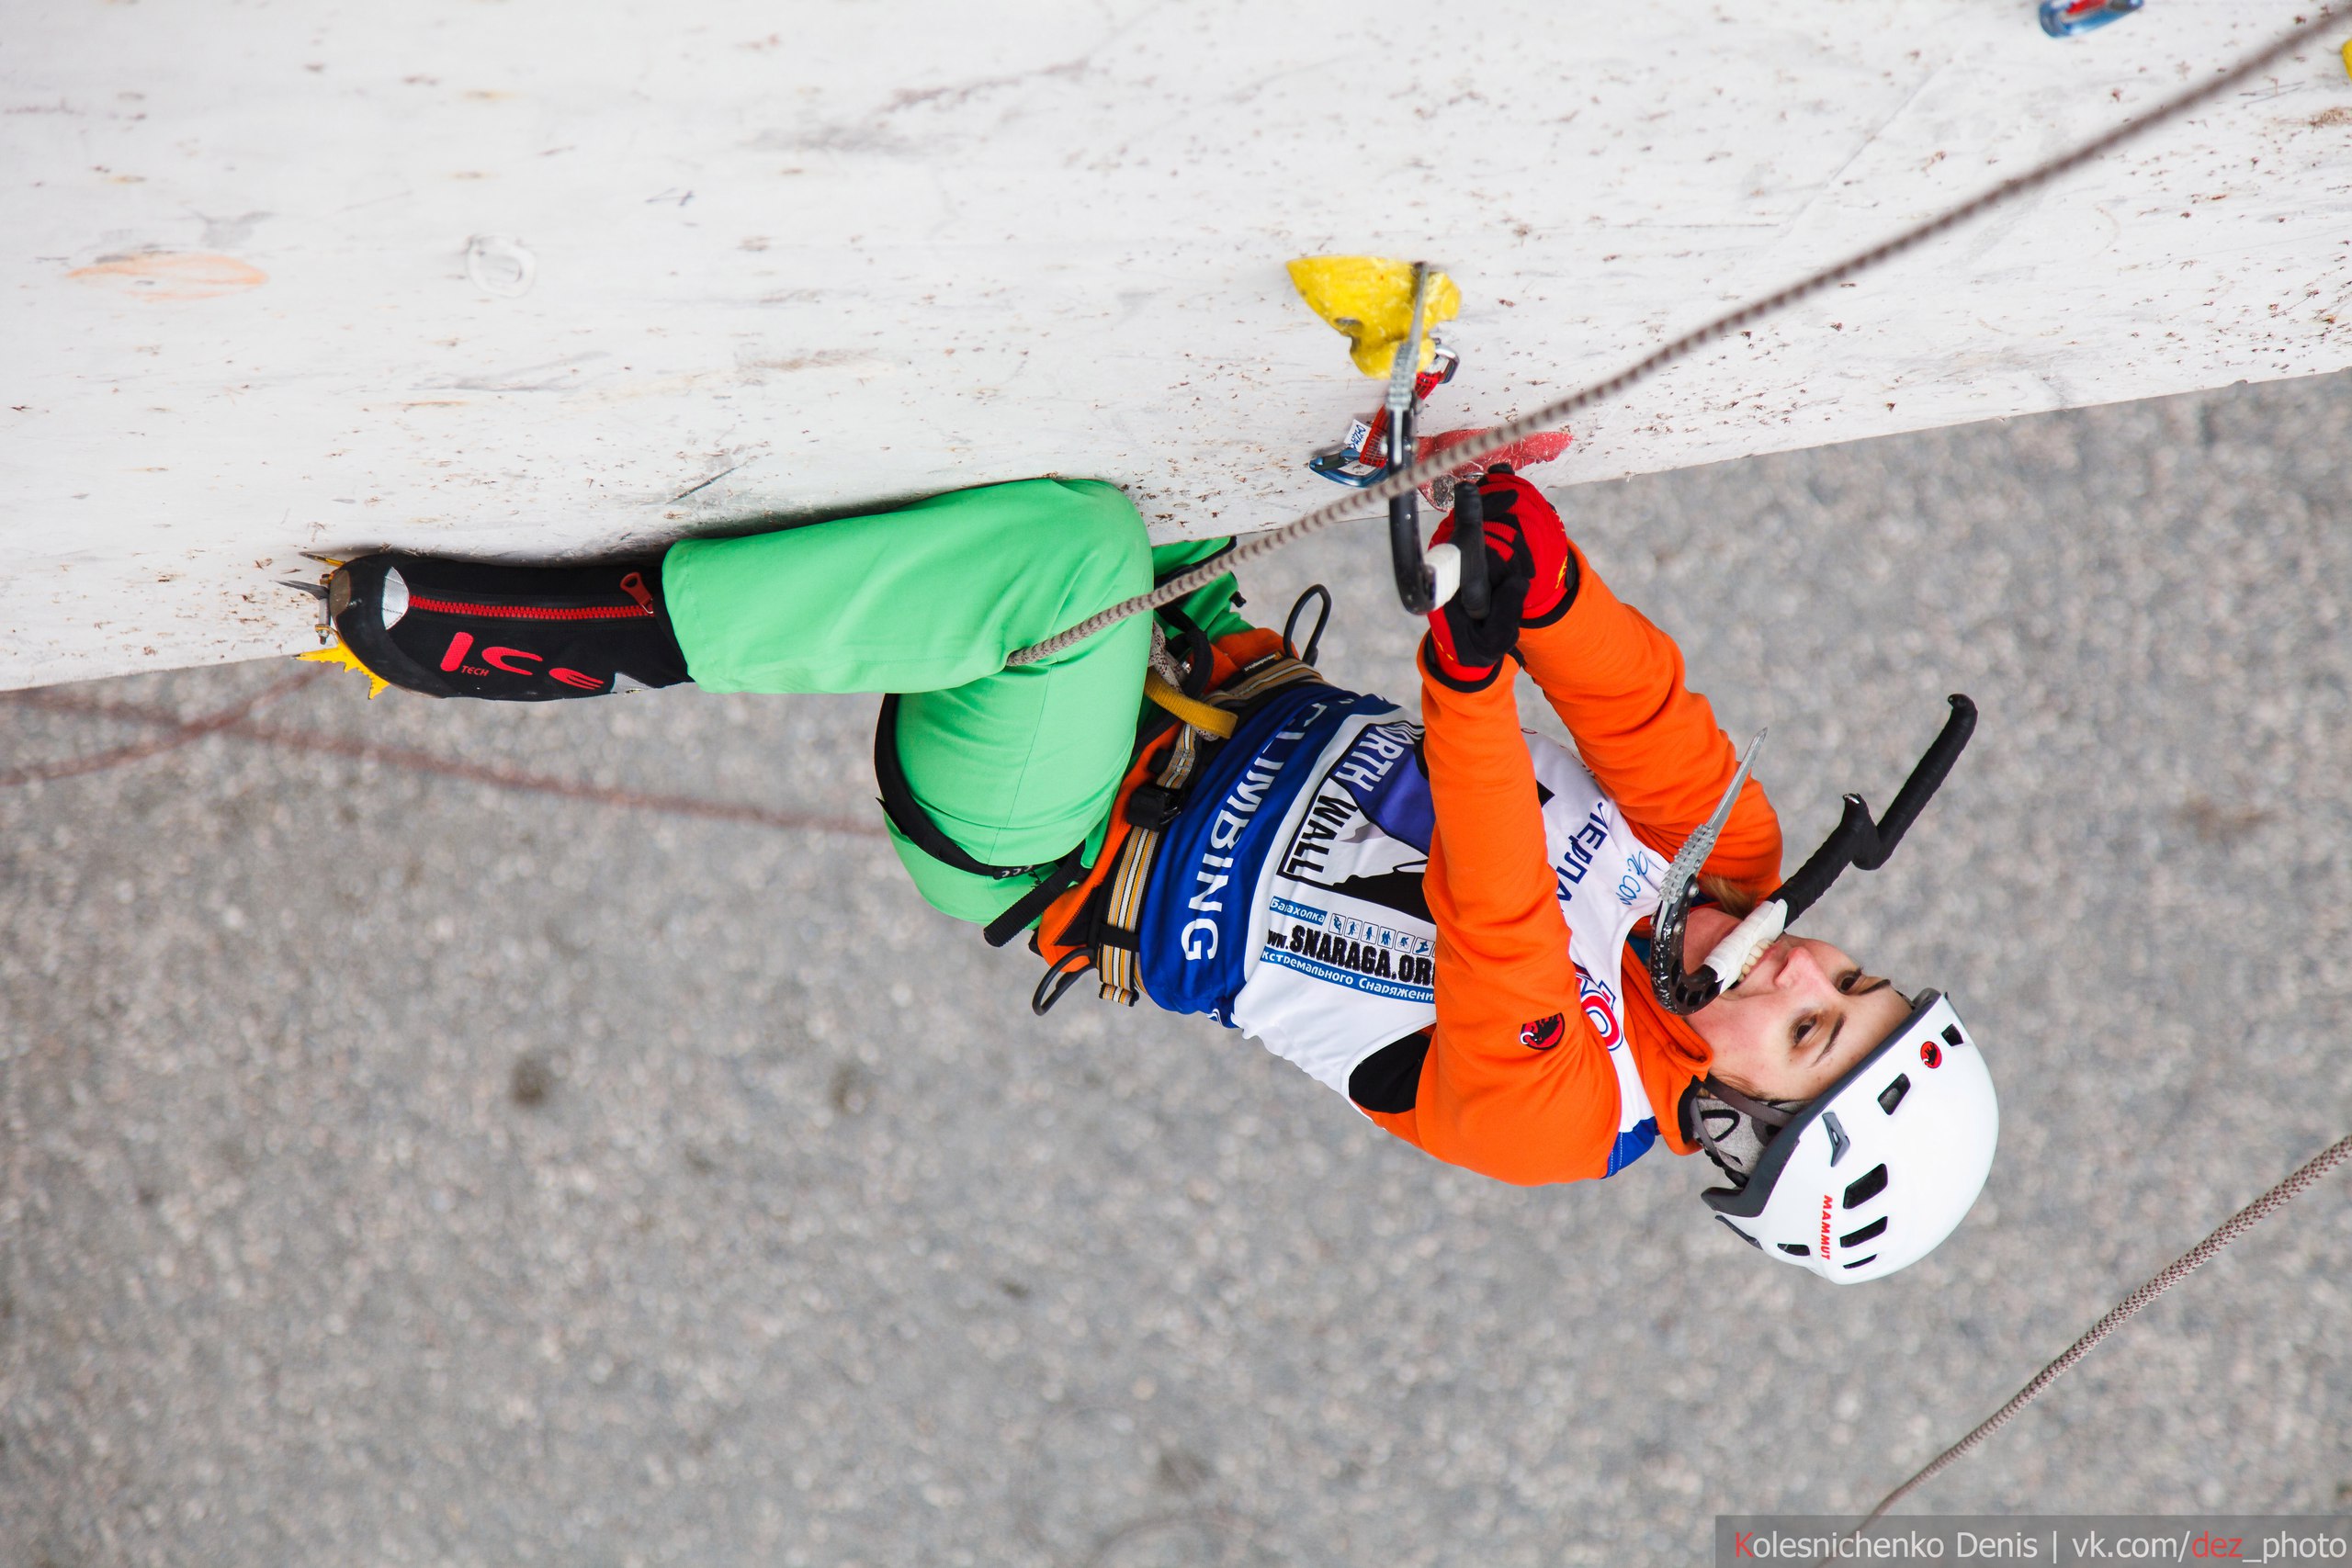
(1734,1128)
(1857,841)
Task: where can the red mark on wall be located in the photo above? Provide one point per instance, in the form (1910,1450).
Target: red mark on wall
(1540,448)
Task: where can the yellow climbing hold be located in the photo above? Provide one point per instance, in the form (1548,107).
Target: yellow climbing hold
(2347,57)
(1370,299)
(344,658)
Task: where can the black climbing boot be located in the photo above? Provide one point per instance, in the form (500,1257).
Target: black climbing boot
(522,634)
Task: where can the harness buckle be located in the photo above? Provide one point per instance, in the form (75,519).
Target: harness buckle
(1153,807)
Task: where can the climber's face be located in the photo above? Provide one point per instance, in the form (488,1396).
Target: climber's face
(1803,1015)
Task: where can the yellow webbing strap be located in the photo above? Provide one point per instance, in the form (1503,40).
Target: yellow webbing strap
(1204,716)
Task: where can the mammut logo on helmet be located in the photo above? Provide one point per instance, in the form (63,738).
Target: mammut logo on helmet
(1544,1034)
(1825,1224)
(1931,1054)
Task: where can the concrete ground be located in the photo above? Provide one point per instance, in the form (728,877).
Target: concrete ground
(411,1161)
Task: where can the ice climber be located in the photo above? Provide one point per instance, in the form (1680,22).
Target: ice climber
(1444,918)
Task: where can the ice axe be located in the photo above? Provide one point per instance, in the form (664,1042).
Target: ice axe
(1858,840)
(1427,579)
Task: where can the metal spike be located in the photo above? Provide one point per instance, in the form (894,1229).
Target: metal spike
(1701,844)
(1677,992)
(317,590)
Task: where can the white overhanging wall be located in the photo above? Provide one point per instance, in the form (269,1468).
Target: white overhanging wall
(553,276)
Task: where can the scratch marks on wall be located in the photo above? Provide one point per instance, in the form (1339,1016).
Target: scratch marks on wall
(228,233)
(549,376)
(706,484)
(956,94)
(814,359)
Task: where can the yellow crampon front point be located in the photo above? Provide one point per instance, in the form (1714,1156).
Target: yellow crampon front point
(1370,299)
(336,654)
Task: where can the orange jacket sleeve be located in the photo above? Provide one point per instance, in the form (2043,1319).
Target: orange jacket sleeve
(1515,1085)
(1616,682)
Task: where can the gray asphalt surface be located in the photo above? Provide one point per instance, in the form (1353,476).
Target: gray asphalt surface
(406,1168)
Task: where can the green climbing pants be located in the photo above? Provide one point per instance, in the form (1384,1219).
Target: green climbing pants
(1017,765)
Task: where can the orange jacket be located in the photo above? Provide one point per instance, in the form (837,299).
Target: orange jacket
(1486,1101)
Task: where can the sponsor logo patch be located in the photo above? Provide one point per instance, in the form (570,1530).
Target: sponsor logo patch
(1599,1004)
(1931,1054)
(1543,1032)
(1350,951)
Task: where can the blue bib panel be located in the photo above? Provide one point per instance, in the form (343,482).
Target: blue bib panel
(1197,907)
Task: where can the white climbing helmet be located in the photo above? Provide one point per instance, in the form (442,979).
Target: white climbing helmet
(1871,1174)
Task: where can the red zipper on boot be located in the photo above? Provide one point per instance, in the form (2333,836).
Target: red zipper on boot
(633,585)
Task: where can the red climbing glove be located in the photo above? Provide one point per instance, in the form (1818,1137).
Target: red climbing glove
(1531,576)
(1519,520)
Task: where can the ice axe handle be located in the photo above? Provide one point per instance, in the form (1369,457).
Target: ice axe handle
(1415,587)
(1470,536)
(1861,842)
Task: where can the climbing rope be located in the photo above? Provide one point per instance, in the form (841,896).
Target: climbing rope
(1416,474)
(2180,1268)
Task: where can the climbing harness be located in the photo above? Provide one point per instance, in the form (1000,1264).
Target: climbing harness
(2172,1274)
(1104,933)
(1857,842)
(1115,937)
(1167,685)
(1415,474)
(907,815)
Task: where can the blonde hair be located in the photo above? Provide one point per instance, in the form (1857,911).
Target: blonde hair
(1732,898)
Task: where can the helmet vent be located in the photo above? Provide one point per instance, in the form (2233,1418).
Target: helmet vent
(1952,1035)
(1796,1249)
(1863,1262)
(1891,1095)
(1870,1232)
(1838,1142)
(1864,1187)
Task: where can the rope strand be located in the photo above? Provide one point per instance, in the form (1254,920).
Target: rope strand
(1415,475)
(2180,1268)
